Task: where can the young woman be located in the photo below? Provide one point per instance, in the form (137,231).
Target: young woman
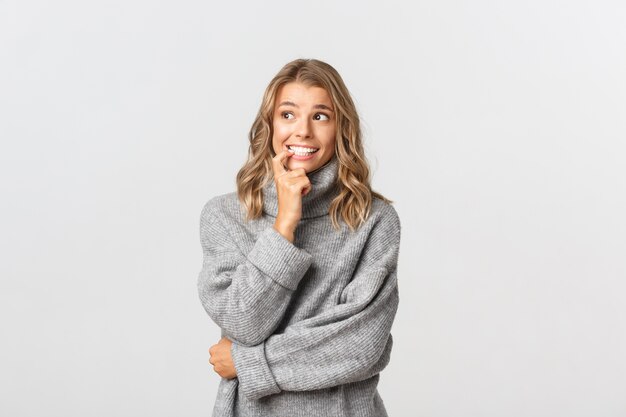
(299,268)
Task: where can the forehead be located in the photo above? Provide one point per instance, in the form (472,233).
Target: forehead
(302,94)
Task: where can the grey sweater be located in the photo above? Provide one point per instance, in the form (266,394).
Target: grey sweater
(310,320)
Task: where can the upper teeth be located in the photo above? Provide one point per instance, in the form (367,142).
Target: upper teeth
(300,149)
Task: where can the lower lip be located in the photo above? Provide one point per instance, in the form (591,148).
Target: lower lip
(303,158)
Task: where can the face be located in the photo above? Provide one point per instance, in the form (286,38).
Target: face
(304,117)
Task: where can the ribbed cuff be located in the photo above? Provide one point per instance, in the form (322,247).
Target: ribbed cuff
(280,259)
(255,377)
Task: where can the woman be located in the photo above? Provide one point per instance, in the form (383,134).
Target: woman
(299,267)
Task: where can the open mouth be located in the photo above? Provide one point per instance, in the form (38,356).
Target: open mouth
(302,151)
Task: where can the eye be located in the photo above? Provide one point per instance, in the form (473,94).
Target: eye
(283,114)
(323,115)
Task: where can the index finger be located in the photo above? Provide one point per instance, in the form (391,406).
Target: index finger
(277,162)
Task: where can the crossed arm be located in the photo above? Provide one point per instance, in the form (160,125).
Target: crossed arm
(247,297)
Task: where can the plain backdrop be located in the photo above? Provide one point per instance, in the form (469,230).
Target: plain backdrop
(497,127)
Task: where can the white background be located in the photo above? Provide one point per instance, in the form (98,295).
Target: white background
(497,127)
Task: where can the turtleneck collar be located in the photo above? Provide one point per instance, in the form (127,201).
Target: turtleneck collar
(324,189)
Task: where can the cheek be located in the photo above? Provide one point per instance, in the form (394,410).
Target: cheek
(281,131)
(326,135)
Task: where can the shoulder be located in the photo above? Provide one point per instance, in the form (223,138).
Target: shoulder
(380,236)
(384,215)
(222,207)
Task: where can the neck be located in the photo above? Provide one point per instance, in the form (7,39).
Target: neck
(324,189)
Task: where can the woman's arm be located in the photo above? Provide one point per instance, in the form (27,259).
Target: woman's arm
(349,342)
(246,296)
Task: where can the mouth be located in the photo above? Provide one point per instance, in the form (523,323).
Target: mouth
(302,150)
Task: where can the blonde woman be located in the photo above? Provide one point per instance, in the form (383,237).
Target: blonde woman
(299,267)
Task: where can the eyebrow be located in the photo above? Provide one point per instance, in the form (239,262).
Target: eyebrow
(317,106)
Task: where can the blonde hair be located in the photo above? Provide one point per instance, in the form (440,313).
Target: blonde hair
(355,197)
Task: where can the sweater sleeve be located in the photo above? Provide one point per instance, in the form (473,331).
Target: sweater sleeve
(246,295)
(346,343)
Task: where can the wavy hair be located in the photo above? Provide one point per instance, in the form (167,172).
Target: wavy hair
(354,200)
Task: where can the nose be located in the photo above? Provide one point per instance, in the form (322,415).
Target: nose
(303,130)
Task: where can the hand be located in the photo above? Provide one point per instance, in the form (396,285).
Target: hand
(291,186)
(222,360)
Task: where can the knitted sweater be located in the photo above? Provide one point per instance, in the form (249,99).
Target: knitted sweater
(310,320)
